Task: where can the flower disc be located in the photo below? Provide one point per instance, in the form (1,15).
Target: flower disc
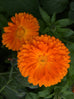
(44,60)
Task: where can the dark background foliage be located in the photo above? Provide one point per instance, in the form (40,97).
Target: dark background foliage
(56,17)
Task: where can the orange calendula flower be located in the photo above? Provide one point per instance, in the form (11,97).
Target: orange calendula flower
(22,28)
(44,60)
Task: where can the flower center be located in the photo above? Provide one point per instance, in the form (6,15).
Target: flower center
(42,60)
(20,32)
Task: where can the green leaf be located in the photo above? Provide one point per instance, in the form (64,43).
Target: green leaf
(18,94)
(71,12)
(9,94)
(53,19)
(31,96)
(53,28)
(54,6)
(64,88)
(64,22)
(63,97)
(70,46)
(57,89)
(15,6)
(65,32)
(42,25)
(19,82)
(34,96)
(44,93)
(50,96)
(70,96)
(28,96)
(68,93)
(71,80)
(44,15)
(46,30)
(71,69)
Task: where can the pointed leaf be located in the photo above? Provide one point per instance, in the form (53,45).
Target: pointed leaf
(65,87)
(65,32)
(42,25)
(64,22)
(53,19)
(44,15)
(46,30)
(34,96)
(50,96)
(43,93)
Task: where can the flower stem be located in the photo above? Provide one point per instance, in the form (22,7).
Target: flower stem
(10,78)
(6,73)
(11,72)
(5,86)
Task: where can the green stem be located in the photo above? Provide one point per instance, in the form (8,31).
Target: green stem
(11,72)
(6,73)
(12,89)
(5,86)
(10,79)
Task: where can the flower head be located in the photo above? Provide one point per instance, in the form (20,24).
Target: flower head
(22,28)
(44,60)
